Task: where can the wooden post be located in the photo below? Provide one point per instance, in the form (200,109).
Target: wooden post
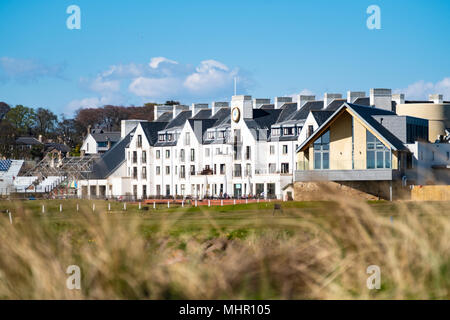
(43,209)
(154,205)
(78,207)
(125,206)
(109,206)
(93,207)
(182,203)
(234,201)
(60,207)
(10,216)
(209,203)
(168,204)
(221,202)
(140,206)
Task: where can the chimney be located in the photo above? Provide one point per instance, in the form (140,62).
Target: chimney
(126,126)
(279,101)
(381,99)
(108,144)
(245,104)
(329,97)
(40,138)
(436,98)
(257,103)
(196,107)
(302,99)
(160,109)
(353,95)
(398,98)
(89,129)
(177,109)
(216,106)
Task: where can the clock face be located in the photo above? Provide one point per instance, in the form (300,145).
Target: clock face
(235,114)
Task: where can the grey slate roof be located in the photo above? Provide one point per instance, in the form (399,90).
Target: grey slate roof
(365,114)
(106,136)
(111,160)
(165,117)
(179,120)
(321,116)
(151,130)
(288,110)
(56,146)
(28,141)
(203,114)
(362,101)
(199,126)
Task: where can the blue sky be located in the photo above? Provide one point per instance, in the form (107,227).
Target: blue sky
(136,51)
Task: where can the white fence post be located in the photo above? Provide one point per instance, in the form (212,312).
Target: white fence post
(140,206)
(209,203)
(109,206)
(93,207)
(60,207)
(168,204)
(221,203)
(43,209)
(78,207)
(10,216)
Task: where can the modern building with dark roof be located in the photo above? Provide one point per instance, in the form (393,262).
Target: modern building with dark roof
(254,148)
(99,141)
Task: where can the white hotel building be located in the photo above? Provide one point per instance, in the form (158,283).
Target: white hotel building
(243,148)
(239,149)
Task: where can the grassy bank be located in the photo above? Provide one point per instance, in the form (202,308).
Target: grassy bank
(313,250)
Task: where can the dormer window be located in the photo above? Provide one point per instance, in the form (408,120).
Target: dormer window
(162,137)
(288,131)
(210,135)
(276,132)
(169,137)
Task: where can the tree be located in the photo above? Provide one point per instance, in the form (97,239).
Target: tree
(21,118)
(4,108)
(45,121)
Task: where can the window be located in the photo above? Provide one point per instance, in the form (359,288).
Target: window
(237,170)
(182,172)
(322,151)
(167,189)
(162,137)
(248,170)
(310,130)
(222,168)
(167,169)
(192,170)
(158,154)
(144,172)
(134,172)
(207,151)
(144,157)
(182,155)
(247,153)
(218,151)
(134,156)
(144,191)
(182,187)
(192,154)
(448,156)
(378,155)
(158,170)
(299,129)
(288,131)
(170,137)
(285,167)
(210,135)
(167,154)
(139,141)
(285,148)
(237,152)
(272,149)
(237,135)
(187,140)
(276,132)
(158,190)
(272,167)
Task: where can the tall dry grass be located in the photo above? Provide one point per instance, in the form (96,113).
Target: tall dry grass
(323,256)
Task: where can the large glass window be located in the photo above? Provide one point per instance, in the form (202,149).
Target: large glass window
(378,155)
(322,151)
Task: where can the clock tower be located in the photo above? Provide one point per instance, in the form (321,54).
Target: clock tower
(241,108)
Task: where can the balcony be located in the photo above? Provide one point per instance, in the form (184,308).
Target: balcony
(341,171)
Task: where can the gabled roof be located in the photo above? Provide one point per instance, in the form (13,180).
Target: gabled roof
(151,130)
(203,114)
(106,136)
(112,159)
(165,117)
(179,120)
(56,146)
(321,115)
(364,114)
(28,141)
(203,124)
(306,108)
(287,110)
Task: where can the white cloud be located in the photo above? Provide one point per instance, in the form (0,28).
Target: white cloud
(101,86)
(155,87)
(210,76)
(156,61)
(420,90)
